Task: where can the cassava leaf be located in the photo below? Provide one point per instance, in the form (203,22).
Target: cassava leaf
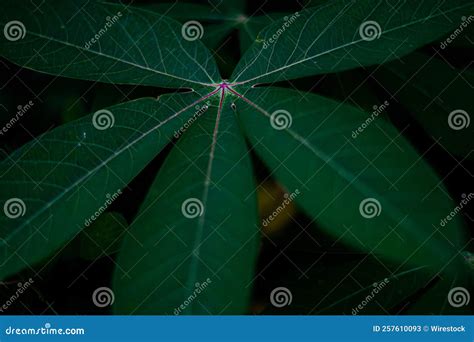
(104,42)
(432,89)
(53,184)
(174,250)
(345,34)
(341,177)
(251,26)
(216,24)
(183,11)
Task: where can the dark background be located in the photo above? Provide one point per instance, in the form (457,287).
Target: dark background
(319,270)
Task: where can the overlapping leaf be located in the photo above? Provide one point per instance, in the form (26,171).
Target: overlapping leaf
(438,95)
(104,42)
(53,184)
(371,190)
(65,176)
(345,34)
(193,246)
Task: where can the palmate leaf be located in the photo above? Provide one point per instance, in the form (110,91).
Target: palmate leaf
(59,181)
(432,89)
(132,46)
(341,178)
(172,251)
(53,184)
(345,34)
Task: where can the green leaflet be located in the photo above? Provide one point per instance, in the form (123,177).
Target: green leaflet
(344,35)
(250,28)
(372,191)
(131,46)
(174,252)
(220,26)
(432,89)
(184,11)
(53,184)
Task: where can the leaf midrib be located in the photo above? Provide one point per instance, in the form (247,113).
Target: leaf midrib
(199,232)
(96,169)
(117,59)
(342,171)
(340,47)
